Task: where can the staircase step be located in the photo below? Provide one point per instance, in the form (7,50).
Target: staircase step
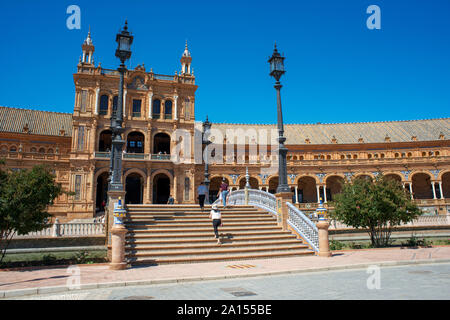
(202,239)
(184,233)
(217,249)
(233,257)
(181,235)
(180,225)
(209,243)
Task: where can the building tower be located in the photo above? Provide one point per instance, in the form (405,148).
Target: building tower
(186,61)
(88,50)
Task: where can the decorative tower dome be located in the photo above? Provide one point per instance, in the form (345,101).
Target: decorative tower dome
(88,49)
(186,60)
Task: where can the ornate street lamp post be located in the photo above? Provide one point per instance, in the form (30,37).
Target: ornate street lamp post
(123,52)
(206,129)
(276,71)
(116,192)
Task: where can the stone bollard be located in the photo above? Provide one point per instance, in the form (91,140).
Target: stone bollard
(118,232)
(324,245)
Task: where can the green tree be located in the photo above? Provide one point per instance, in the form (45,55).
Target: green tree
(376,205)
(24,198)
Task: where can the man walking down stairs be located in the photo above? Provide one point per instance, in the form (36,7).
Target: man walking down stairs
(182,233)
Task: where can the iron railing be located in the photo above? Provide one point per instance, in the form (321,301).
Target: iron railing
(303,226)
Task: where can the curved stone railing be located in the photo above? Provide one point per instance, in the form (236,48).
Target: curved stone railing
(258,198)
(303,226)
(267,201)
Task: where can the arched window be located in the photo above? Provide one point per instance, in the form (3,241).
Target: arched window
(42,150)
(104,104)
(168,109)
(156,109)
(13,149)
(50,151)
(33,149)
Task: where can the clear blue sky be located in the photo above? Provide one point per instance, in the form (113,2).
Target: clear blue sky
(337,69)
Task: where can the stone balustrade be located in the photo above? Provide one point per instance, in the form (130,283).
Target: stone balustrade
(81,229)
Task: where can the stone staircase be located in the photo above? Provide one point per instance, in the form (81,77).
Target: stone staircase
(160,234)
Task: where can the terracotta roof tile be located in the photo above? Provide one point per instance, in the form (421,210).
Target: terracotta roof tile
(38,122)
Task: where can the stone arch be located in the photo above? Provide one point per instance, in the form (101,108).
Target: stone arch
(135,141)
(307,189)
(393,175)
(421,185)
(162,186)
(100,194)
(364,174)
(445,178)
(104,140)
(316,178)
(254,183)
(272,183)
(161,142)
(333,185)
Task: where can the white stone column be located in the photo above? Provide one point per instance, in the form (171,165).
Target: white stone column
(440,190)
(296,194)
(434,190)
(97,92)
(318,193)
(124,103)
(175,98)
(411,191)
(324,194)
(267,189)
(150,107)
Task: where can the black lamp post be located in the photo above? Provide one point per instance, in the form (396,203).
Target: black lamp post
(206,129)
(276,71)
(123,52)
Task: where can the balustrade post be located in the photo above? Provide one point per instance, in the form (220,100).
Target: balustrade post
(282,208)
(324,245)
(56,226)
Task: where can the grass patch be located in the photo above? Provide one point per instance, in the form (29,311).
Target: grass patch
(14,260)
(412,242)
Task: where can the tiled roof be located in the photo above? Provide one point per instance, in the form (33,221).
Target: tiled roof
(350,133)
(38,122)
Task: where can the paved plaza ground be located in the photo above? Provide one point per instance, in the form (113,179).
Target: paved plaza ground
(410,282)
(421,269)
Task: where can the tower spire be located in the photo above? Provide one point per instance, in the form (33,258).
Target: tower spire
(186,60)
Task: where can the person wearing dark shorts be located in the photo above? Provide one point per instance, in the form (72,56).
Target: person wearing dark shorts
(216,217)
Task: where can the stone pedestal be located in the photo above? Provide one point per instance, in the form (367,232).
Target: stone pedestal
(324,246)
(282,208)
(113,199)
(118,232)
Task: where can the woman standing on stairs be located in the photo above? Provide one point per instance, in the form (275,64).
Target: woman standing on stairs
(216,217)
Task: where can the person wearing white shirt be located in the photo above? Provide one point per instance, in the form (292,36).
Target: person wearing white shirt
(216,217)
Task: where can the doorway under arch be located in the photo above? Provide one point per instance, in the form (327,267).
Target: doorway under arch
(161,189)
(134,187)
(102,192)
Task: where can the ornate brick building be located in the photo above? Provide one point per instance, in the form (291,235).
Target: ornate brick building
(157,107)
